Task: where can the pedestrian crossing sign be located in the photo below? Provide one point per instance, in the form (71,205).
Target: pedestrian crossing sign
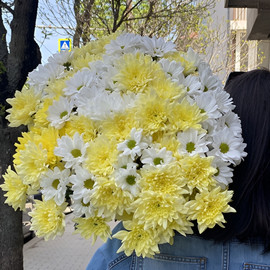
(64,44)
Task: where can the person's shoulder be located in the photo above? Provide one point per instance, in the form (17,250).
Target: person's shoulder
(107,253)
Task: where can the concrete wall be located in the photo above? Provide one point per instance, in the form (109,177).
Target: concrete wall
(264,46)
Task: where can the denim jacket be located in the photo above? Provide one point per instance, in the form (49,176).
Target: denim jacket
(187,253)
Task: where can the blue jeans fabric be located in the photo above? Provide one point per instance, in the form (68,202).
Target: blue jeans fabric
(187,253)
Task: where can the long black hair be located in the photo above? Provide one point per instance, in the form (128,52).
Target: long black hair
(251,182)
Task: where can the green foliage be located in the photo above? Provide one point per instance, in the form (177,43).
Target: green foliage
(2,110)
(2,68)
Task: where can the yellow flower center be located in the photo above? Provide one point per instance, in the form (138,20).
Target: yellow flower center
(131,144)
(55,183)
(217,173)
(89,183)
(130,179)
(158,160)
(76,153)
(202,110)
(190,147)
(224,148)
(63,114)
(79,88)
(85,204)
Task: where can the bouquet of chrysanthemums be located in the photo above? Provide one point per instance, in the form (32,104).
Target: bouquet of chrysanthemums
(125,128)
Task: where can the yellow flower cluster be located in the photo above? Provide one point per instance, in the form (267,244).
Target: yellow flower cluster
(48,219)
(104,133)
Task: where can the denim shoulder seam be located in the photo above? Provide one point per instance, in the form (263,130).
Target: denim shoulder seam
(117,260)
(225,256)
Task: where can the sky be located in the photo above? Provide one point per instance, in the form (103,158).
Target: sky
(48,46)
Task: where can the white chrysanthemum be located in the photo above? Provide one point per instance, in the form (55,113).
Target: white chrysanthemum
(71,150)
(83,182)
(80,208)
(207,103)
(224,171)
(208,80)
(104,105)
(134,145)
(224,101)
(104,72)
(40,77)
(157,47)
(82,79)
(192,84)
(228,147)
(125,43)
(54,185)
(193,57)
(154,157)
(211,126)
(59,112)
(232,122)
(124,162)
(172,69)
(127,179)
(61,58)
(192,142)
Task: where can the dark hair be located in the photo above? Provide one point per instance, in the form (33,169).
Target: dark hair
(251,181)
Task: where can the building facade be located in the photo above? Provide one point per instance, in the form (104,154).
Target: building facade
(258,25)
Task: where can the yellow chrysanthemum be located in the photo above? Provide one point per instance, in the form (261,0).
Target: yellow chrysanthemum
(208,208)
(101,155)
(95,48)
(33,164)
(47,137)
(181,225)
(55,89)
(119,126)
(189,67)
(93,226)
(83,60)
(15,188)
(82,124)
(136,73)
(48,219)
(22,141)
(143,242)
(41,115)
(184,116)
(154,209)
(198,172)
(167,140)
(166,89)
(152,113)
(109,199)
(98,47)
(24,106)
(162,180)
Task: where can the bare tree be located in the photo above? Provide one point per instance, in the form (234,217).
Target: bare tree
(17,58)
(84,20)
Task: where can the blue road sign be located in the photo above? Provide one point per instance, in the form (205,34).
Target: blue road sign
(64,44)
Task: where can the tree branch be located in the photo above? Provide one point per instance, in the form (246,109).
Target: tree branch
(115,10)
(7,7)
(125,14)
(78,30)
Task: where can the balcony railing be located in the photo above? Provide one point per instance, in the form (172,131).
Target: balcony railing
(239,14)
